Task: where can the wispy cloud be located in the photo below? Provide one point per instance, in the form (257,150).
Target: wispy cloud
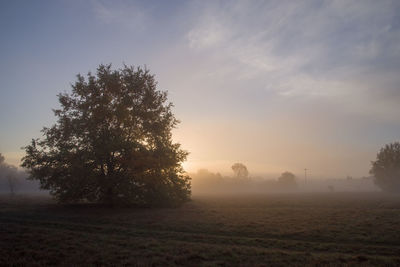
(331,49)
(130,16)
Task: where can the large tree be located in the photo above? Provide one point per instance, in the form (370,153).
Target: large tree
(386,168)
(112,143)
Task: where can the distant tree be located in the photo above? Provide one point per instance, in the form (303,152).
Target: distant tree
(112,143)
(3,170)
(240,170)
(8,173)
(287,179)
(386,168)
(12,182)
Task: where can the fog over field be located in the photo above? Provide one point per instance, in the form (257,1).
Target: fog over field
(206,182)
(15,181)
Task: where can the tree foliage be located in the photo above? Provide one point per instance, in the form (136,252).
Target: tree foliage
(240,170)
(386,168)
(112,143)
(287,179)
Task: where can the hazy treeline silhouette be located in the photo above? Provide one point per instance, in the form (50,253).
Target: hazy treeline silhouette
(14,181)
(385,173)
(207,182)
(204,181)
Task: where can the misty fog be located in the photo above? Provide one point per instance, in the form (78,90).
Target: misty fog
(207,182)
(14,181)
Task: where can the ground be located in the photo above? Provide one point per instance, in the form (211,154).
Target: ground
(246,230)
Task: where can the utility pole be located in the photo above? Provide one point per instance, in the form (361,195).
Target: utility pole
(305,175)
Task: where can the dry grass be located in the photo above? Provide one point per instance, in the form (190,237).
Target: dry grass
(308,229)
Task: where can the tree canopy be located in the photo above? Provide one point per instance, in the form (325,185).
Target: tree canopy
(112,143)
(287,179)
(386,168)
(240,170)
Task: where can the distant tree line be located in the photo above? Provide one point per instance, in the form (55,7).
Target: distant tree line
(208,182)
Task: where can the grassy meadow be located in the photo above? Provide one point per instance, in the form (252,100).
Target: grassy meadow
(246,230)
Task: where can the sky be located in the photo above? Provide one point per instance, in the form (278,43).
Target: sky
(276,85)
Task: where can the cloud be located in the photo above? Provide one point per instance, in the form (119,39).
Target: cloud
(207,35)
(131,15)
(312,49)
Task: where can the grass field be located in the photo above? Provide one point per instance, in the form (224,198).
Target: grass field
(304,229)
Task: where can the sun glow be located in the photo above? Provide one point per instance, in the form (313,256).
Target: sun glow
(187,166)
